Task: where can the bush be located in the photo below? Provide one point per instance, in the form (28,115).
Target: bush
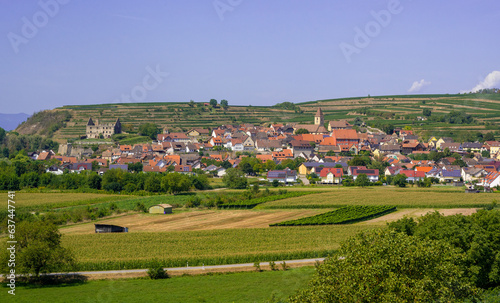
(157,272)
(139,206)
(257,266)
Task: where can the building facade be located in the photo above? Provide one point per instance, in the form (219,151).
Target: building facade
(94,130)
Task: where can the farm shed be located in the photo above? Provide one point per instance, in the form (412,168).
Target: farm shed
(106,228)
(161,209)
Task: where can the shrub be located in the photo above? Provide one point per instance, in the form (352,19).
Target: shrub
(157,272)
(257,266)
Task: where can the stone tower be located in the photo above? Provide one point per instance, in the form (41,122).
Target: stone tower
(319,119)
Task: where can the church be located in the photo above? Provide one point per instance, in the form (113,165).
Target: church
(317,128)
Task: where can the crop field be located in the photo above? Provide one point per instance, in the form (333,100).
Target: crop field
(238,287)
(392,196)
(209,247)
(42,201)
(343,215)
(196,220)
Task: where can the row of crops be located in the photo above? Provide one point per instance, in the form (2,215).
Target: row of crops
(343,215)
(210,247)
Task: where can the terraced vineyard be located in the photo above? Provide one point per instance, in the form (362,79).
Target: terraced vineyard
(343,215)
(182,117)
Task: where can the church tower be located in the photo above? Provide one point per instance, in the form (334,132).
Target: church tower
(319,119)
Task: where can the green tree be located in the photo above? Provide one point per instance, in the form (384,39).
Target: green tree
(362,180)
(235,178)
(477,236)
(153,183)
(213,102)
(399,180)
(177,182)
(388,129)
(485,154)
(385,266)
(426,112)
(489,136)
(38,250)
(301,131)
(135,167)
(359,161)
(224,103)
(200,182)
(2,134)
(149,129)
(94,181)
(191,103)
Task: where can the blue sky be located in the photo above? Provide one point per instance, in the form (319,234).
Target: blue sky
(63,52)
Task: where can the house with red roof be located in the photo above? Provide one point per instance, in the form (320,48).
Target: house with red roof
(412,175)
(331,175)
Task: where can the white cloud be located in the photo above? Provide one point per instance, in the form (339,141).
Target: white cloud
(417,85)
(491,81)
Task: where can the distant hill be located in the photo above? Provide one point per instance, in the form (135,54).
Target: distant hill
(70,121)
(11,121)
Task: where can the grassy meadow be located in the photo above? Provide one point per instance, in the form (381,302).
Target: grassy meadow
(43,201)
(234,287)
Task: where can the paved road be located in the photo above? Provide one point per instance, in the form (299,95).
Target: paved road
(124,271)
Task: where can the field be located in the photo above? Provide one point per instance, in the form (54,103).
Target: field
(236,287)
(213,236)
(196,220)
(344,215)
(211,247)
(41,201)
(445,197)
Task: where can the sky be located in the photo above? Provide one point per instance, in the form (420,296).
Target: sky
(259,52)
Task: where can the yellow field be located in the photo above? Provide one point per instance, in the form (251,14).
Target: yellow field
(446,197)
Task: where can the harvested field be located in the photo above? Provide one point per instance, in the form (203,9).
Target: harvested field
(197,220)
(415,212)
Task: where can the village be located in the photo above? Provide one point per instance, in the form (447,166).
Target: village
(321,153)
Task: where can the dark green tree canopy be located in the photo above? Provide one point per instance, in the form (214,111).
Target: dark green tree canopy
(38,250)
(235,178)
(386,266)
(149,129)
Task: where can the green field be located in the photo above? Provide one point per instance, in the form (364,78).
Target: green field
(211,247)
(435,197)
(235,287)
(43,201)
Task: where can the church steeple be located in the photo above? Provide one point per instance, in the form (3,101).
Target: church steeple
(319,119)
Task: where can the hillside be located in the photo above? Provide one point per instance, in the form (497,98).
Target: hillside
(69,121)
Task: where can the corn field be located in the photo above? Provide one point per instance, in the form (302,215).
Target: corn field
(211,247)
